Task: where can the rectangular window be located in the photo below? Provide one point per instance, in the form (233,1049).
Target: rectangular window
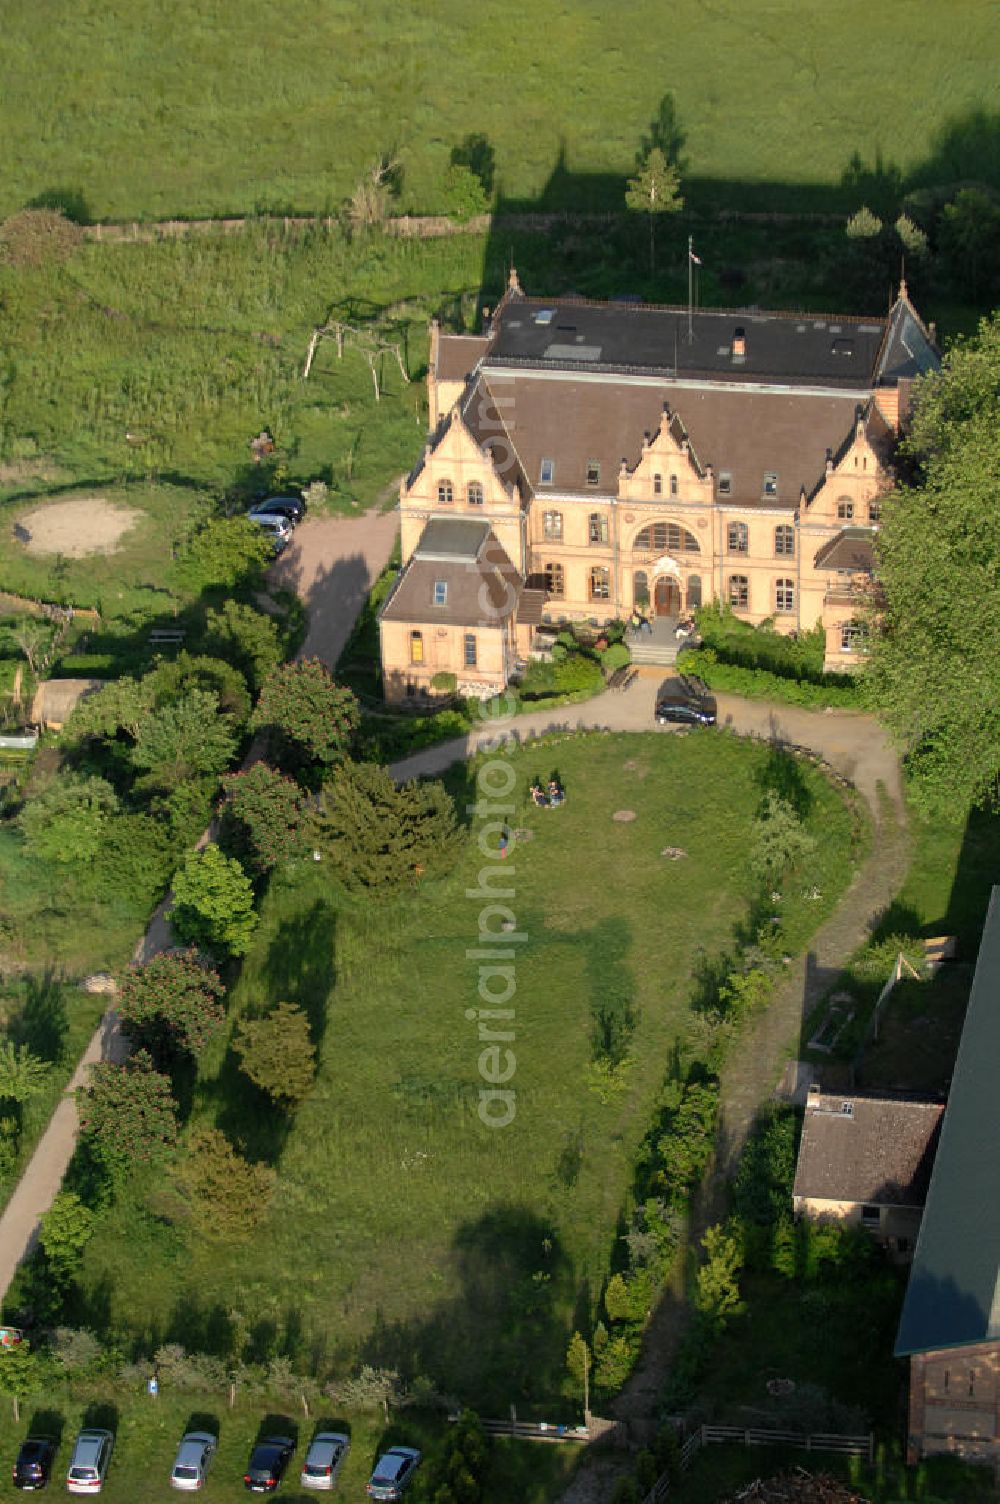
(784,595)
(853,637)
(470,649)
(440,592)
(552,524)
(416,648)
(725,483)
(593,473)
(737,538)
(770,484)
(874,511)
(600,585)
(547,472)
(598,528)
(739,592)
(871,1216)
(845,509)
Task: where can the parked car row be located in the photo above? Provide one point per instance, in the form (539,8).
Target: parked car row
(269,1459)
(278,517)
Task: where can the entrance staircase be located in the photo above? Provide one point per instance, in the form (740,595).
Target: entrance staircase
(659,646)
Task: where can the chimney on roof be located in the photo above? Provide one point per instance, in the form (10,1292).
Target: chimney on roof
(739,349)
(859,422)
(814,1092)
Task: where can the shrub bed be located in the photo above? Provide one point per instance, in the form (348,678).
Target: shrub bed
(761,684)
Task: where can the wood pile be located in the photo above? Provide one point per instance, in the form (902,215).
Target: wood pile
(798,1487)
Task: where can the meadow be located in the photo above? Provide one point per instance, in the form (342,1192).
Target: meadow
(404,1232)
(132,111)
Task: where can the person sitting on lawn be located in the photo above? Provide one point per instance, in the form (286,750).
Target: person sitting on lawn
(556,794)
(539,795)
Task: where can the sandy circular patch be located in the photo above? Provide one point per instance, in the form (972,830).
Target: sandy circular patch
(84,525)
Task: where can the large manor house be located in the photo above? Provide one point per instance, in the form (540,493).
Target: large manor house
(591,460)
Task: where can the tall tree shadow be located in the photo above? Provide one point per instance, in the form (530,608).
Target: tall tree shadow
(500,1336)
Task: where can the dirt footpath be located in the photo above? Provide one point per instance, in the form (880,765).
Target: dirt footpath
(331,564)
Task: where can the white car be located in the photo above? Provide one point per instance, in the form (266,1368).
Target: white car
(88,1466)
(393,1473)
(324,1459)
(194,1456)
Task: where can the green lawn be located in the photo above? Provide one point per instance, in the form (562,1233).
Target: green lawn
(403,1230)
(136,110)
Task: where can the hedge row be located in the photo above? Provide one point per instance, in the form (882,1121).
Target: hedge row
(759,684)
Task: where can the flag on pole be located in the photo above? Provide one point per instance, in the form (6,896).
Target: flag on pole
(694,258)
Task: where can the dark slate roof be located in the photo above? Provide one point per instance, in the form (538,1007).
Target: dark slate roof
(953,1298)
(877,1150)
(909,350)
(483,588)
(452,538)
(850,549)
(783,348)
(745,433)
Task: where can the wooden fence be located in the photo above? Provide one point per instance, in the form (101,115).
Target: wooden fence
(705,1436)
(529,1430)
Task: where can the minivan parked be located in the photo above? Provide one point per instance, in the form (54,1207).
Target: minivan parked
(88,1466)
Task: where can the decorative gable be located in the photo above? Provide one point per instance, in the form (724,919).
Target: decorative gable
(667,467)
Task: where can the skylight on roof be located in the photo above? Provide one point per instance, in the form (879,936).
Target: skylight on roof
(545,315)
(440,592)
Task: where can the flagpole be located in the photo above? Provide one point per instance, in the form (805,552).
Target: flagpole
(690,275)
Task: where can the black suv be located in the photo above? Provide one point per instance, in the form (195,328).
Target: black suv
(34,1462)
(685,701)
(267,1464)
(289,507)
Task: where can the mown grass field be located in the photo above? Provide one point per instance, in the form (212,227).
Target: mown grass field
(404,1231)
(137,111)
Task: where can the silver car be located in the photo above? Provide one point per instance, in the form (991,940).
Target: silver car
(88,1466)
(324,1458)
(194,1456)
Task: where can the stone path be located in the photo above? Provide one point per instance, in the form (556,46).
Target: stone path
(332,565)
(855,746)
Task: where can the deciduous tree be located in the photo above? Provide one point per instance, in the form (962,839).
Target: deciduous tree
(171,1003)
(226,1195)
(227,552)
(277,1053)
(245,637)
(213,903)
(128,1115)
(309,717)
(22,1074)
(262,817)
(934,673)
(66,822)
(184,740)
(67,1228)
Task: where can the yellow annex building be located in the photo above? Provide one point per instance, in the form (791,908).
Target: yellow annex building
(587,460)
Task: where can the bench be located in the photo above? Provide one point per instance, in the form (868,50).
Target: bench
(167,634)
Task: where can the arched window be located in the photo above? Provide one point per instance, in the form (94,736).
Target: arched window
(739,592)
(600,585)
(694,591)
(555,580)
(661,537)
(784,595)
(784,541)
(552,524)
(597,527)
(640,588)
(657,485)
(737,538)
(446,495)
(474,493)
(416,647)
(845,509)
(673,485)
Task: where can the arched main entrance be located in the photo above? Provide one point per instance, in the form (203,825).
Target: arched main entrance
(666,596)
